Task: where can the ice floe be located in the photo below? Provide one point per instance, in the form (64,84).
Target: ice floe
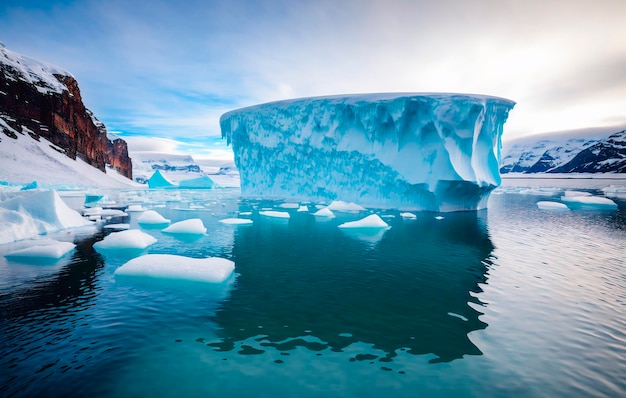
(46,250)
(174,267)
(549,205)
(371,221)
(151,217)
(236,221)
(274,214)
(192,226)
(130,239)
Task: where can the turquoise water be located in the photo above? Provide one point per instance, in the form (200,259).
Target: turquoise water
(512,301)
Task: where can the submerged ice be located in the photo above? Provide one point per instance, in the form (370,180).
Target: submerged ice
(436,152)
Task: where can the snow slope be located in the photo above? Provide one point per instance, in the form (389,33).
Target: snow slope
(25,159)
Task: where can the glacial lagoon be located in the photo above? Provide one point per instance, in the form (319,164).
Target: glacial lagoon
(509,301)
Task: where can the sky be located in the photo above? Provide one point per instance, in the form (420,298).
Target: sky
(160,73)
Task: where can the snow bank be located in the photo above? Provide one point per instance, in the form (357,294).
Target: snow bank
(49,250)
(191,226)
(169,266)
(36,213)
(131,239)
(372,221)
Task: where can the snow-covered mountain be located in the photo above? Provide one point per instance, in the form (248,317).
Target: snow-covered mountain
(600,150)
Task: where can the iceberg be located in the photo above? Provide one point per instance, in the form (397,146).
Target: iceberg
(157,180)
(274,214)
(173,267)
(34,213)
(325,212)
(437,152)
(204,182)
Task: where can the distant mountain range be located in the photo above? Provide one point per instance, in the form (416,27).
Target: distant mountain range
(580,151)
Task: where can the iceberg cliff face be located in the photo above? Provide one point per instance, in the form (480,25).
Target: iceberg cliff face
(436,152)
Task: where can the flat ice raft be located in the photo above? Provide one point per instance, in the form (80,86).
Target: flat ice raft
(173,267)
(437,152)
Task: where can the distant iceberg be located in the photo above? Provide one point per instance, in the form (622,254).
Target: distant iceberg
(437,152)
(157,180)
(204,182)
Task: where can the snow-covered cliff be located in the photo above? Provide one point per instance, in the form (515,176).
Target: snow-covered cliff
(436,152)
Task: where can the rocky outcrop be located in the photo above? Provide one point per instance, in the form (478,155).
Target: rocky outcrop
(42,100)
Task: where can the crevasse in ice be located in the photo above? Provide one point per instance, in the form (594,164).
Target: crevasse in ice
(437,152)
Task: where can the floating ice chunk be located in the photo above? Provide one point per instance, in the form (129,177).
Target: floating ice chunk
(157,180)
(193,226)
(338,205)
(325,212)
(236,221)
(131,239)
(289,205)
(169,266)
(302,209)
(118,227)
(135,208)
(274,214)
(245,213)
(439,218)
(408,216)
(590,202)
(575,193)
(152,217)
(371,221)
(548,205)
(49,250)
(461,317)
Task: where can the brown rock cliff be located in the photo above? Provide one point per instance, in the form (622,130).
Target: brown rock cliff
(59,116)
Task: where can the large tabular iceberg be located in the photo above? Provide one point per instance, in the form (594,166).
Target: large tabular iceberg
(436,152)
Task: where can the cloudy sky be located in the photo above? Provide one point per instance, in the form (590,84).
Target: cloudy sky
(168,69)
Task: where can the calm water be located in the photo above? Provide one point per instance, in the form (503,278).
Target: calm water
(513,301)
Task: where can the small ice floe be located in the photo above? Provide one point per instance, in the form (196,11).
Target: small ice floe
(151,217)
(245,213)
(408,216)
(589,202)
(461,317)
(192,226)
(47,250)
(117,227)
(549,205)
(236,221)
(135,208)
(131,239)
(325,213)
(371,221)
(439,218)
(289,205)
(173,267)
(302,209)
(570,193)
(274,214)
(338,205)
